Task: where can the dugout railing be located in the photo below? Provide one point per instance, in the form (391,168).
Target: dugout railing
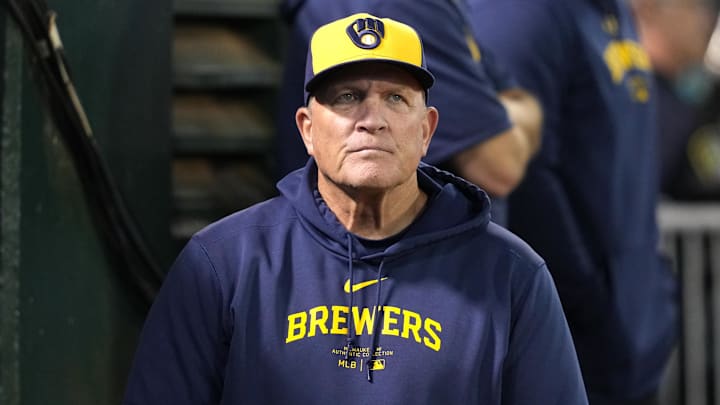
(691,238)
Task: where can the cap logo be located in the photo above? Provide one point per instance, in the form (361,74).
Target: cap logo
(366,33)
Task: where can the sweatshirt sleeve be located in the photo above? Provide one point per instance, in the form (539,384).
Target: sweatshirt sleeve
(465,96)
(182,349)
(531,39)
(541,366)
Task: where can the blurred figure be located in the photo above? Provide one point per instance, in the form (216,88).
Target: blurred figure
(489,128)
(675,33)
(688,94)
(588,200)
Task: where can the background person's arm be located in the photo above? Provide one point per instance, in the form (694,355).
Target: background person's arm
(498,164)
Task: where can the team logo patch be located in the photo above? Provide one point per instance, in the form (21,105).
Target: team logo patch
(366,33)
(628,63)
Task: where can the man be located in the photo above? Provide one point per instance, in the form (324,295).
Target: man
(372,278)
(588,201)
(490,127)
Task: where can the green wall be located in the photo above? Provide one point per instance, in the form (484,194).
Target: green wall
(68,322)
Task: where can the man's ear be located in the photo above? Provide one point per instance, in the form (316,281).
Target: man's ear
(432,117)
(303,120)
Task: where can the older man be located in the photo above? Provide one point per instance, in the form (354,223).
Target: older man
(371,279)
(490,127)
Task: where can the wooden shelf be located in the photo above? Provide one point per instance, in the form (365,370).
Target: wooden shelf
(227,8)
(215,56)
(225,71)
(206,124)
(204,191)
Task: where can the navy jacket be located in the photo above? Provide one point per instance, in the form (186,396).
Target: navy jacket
(588,201)
(279,304)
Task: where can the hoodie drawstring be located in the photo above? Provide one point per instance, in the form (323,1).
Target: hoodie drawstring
(349,343)
(376,319)
(350,337)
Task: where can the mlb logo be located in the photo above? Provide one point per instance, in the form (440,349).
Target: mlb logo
(376,364)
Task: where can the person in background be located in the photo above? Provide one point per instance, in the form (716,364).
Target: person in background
(372,279)
(588,201)
(688,93)
(490,127)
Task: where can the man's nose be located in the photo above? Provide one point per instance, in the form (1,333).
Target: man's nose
(372,117)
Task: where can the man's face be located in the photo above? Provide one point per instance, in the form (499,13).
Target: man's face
(675,32)
(367,126)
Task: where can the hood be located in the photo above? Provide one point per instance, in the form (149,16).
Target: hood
(454,207)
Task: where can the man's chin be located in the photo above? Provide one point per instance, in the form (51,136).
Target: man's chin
(369,182)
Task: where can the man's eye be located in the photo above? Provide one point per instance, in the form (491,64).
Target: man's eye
(396,98)
(346,97)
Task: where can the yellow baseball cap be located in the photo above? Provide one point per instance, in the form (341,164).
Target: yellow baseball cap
(364,38)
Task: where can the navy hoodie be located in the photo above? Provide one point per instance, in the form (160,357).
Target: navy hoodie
(280,304)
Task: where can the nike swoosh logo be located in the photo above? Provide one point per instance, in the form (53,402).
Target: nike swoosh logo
(359,286)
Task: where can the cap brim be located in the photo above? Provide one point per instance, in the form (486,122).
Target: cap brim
(423,76)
